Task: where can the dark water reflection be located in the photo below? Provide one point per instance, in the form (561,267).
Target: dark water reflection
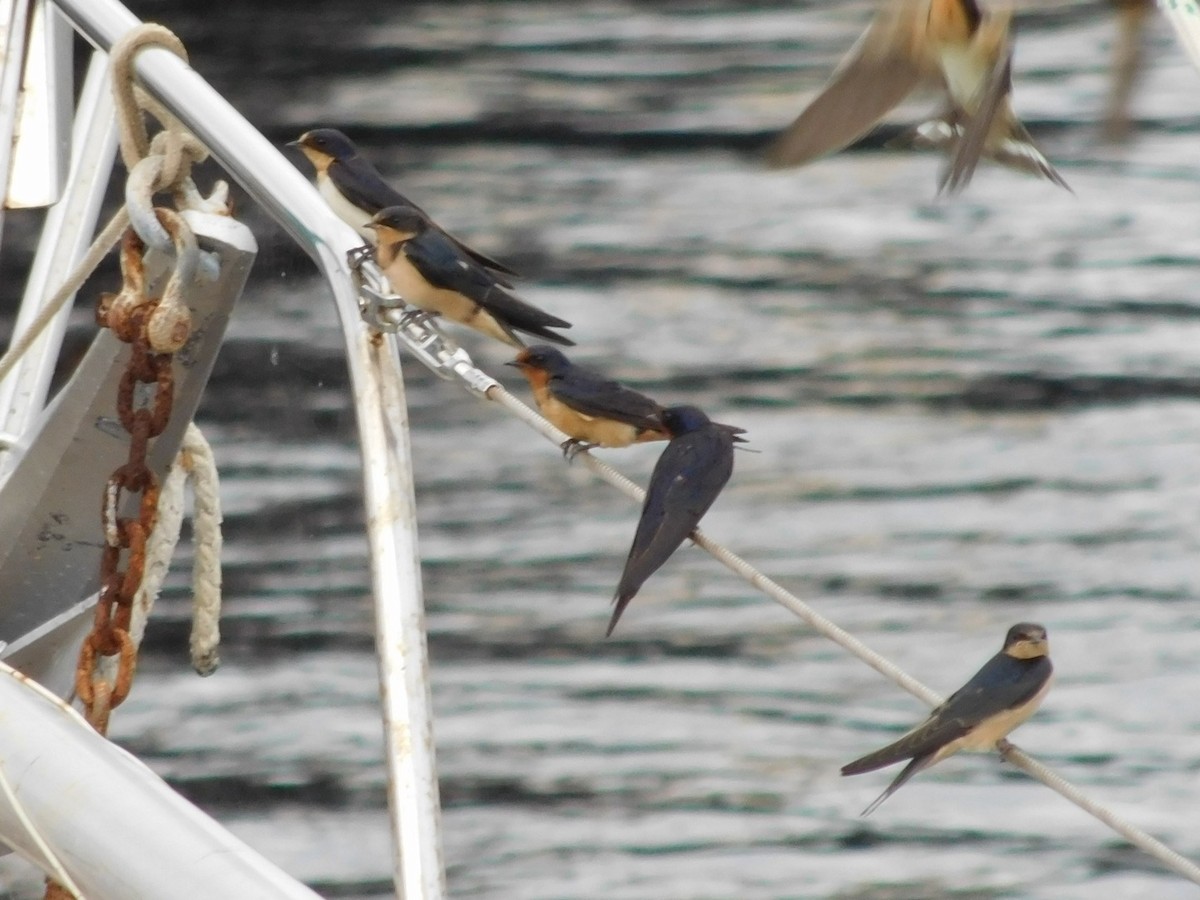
(968,412)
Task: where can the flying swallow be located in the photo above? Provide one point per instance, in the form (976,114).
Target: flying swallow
(953,44)
(686,480)
(594,410)
(425,267)
(998,698)
(355,190)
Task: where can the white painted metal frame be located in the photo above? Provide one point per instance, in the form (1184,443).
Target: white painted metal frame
(383,431)
(373,360)
(145,841)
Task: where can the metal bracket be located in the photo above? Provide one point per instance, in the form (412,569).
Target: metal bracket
(387,312)
(50,503)
(35,102)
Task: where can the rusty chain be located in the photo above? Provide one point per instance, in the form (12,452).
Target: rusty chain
(154,329)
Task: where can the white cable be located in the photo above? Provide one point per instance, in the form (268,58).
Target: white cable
(57,871)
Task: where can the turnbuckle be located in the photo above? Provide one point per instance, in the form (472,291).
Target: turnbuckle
(387,312)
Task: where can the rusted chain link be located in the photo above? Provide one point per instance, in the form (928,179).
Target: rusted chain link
(154,328)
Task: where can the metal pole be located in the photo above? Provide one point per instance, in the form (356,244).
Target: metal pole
(66,234)
(163,847)
(283,192)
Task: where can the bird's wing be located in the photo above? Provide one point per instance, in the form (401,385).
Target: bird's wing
(914,766)
(593,395)
(434,255)
(1002,684)
(926,739)
(361,184)
(686,480)
(522,316)
(1021,153)
(439,261)
(880,70)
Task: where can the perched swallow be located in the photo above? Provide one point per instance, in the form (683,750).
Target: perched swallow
(595,411)
(355,190)
(425,267)
(948,43)
(998,698)
(686,480)
(1128,50)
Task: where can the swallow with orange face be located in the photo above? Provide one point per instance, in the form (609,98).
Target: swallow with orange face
(686,480)
(998,698)
(595,411)
(428,270)
(950,43)
(355,190)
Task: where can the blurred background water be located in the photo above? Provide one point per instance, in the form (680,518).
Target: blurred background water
(968,412)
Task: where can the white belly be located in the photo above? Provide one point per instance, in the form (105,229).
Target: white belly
(985,738)
(965,76)
(346,211)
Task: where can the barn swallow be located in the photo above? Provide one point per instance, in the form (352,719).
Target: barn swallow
(948,43)
(595,411)
(998,698)
(1127,61)
(355,190)
(686,480)
(428,270)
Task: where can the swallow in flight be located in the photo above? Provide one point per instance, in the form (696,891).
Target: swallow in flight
(355,190)
(686,480)
(998,698)
(952,44)
(426,268)
(595,411)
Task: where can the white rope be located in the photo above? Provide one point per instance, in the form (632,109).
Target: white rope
(100,248)
(885,667)
(207,540)
(57,871)
(194,463)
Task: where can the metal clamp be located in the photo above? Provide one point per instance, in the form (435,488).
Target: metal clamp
(387,312)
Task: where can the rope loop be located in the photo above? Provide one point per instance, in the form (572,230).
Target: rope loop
(135,141)
(162,163)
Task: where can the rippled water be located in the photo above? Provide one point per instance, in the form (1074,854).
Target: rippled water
(968,412)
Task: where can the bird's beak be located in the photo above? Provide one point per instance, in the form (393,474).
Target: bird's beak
(295,143)
(515,363)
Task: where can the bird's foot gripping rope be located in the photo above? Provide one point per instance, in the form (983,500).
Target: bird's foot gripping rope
(572,447)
